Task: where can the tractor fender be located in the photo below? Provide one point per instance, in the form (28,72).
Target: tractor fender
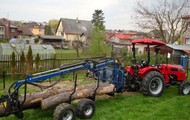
(144,71)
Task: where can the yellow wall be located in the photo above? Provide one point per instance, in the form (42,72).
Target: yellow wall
(37,31)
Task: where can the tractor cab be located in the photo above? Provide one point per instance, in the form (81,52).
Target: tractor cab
(147,42)
(144,65)
(152,79)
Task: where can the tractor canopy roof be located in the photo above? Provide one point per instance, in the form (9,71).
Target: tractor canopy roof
(148,41)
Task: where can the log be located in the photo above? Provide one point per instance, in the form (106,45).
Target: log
(54,96)
(64,97)
(35,97)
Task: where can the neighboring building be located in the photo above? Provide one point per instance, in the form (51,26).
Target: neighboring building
(120,39)
(176,51)
(33,29)
(135,35)
(185,39)
(8,29)
(2,31)
(55,41)
(74,30)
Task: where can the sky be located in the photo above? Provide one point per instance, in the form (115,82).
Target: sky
(118,13)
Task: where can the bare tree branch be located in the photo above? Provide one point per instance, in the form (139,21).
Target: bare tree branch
(163,15)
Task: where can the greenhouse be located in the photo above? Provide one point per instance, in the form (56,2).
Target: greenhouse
(45,51)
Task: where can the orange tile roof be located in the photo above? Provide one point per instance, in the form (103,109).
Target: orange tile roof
(122,36)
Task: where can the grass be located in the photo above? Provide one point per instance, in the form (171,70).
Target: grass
(134,106)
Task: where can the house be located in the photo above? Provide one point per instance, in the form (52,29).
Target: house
(11,28)
(120,39)
(135,35)
(8,29)
(185,38)
(2,31)
(74,30)
(33,29)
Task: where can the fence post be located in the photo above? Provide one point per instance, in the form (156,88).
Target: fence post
(4,76)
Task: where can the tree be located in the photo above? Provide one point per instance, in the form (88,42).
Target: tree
(163,15)
(22,63)
(37,61)
(98,20)
(48,30)
(52,24)
(29,58)
(97,44)
(13,64)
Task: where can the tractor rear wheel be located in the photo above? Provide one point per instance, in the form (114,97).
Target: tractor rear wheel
(184,88)
(64,111)
(153,84)
(85,108)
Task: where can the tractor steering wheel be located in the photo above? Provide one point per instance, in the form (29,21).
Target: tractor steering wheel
(144,63)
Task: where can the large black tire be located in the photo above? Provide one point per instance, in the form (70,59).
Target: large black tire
(184,88)
(153,84)
(64,111)
(85,108)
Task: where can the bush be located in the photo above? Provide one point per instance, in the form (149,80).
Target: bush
(4,41)
(97,45)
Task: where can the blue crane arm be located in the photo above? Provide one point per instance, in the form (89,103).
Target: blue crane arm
(89,65)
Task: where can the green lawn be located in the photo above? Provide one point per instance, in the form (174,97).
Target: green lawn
(135,106)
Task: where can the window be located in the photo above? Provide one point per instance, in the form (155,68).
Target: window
(13,30)
(1,28)
(1,36)
(187,40)
(188,24)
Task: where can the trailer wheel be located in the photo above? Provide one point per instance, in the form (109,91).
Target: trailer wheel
(64,111)
(85,108)
(184,88)
(153,84)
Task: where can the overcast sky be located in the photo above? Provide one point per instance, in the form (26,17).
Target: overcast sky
(117,13)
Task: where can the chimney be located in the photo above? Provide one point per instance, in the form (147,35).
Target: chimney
(77,21)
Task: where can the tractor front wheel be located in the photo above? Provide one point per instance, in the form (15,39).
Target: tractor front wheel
(85,108)
(184,88)
(153,84)
(64,111)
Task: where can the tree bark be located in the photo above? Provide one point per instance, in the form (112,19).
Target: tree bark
(54,96)
(64,97)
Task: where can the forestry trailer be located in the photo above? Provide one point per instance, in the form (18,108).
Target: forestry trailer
(150,79)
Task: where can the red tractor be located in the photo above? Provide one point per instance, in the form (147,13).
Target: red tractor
(152,79)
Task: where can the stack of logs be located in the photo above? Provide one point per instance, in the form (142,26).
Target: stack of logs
(53,96)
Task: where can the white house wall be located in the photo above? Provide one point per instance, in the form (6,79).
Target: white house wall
(140,48)
(60,29)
